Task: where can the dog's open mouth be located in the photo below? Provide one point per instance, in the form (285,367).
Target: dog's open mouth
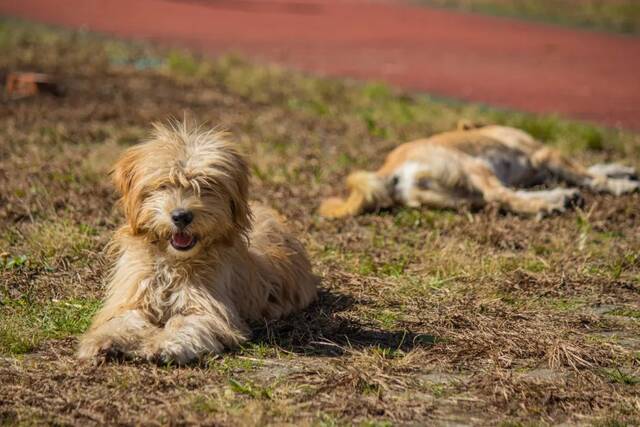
(183,241)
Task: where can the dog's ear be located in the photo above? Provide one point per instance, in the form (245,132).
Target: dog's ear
(123,171)
(241,214)
(125,178)
(238,188)
(239,200)
(465,124)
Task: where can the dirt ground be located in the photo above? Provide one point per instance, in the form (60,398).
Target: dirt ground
(424,317)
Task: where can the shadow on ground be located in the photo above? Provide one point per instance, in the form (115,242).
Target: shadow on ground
(322,330)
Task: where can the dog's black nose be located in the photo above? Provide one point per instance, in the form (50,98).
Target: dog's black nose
(181,217)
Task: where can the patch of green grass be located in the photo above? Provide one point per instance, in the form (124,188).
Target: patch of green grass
(425,339)
(24,325)
(345,161)
(366,387)
(423,286)
(625,312)
(509,264)
(616,422)
(606,263)
(621,16)
(367,265)
(438,390)
(183,64)
(564,304)
(232,365)
(374,126)
(260,350)
(386,318)
(327,420)
(424,218)
(567,135)
(387,353)
(621,264)
(395,268)
(535,265)
(47,243)
(252,390)
(205,404)
(13,262)
(376,423)
(618,376)
(313,106)
(377,91)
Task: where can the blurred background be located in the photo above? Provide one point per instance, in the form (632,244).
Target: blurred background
(577,58)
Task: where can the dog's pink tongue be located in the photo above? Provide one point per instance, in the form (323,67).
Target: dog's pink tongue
(182,239)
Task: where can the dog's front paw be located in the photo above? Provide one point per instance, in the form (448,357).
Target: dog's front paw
(97,348)
(559,200)
(619,187)
(615,186)
(570,198)
(167,352)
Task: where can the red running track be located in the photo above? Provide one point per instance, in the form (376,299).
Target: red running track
(531,67)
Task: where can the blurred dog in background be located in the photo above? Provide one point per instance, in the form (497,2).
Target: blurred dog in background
(475,165)
(194,261)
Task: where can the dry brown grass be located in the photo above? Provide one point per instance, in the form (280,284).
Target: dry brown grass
(425,316)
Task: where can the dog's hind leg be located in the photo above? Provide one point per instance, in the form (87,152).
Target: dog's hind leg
(602,178)
(564,197)
(524,202)
(418,196)
(286,282)
(614,170)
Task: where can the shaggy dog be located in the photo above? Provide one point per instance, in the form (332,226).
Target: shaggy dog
(473,166)
(194,261)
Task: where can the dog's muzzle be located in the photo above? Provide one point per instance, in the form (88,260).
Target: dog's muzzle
(183,241)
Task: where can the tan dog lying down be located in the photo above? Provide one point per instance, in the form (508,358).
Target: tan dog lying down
(472,167)
(194,261)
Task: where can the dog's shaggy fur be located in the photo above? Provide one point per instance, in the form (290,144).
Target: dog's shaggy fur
(194,261)
(472,166)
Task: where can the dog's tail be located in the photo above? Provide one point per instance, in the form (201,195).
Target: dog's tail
(368,192)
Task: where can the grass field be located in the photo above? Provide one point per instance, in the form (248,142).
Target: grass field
(622,16)
(425,317)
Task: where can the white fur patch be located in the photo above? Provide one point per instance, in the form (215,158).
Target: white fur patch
(406,175)
(612,170)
